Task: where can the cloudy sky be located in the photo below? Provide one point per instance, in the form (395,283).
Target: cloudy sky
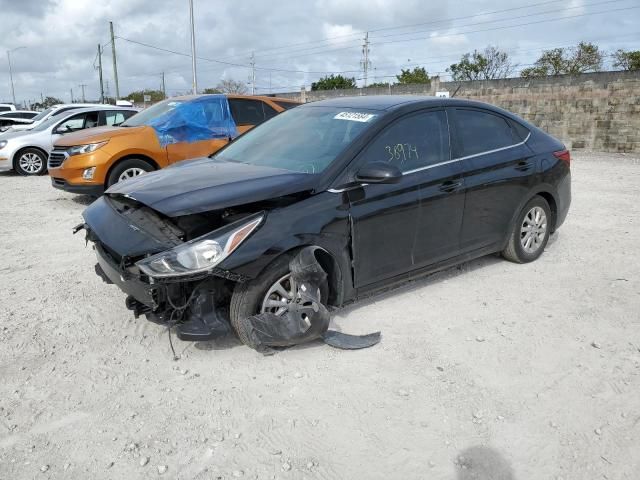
(295,42)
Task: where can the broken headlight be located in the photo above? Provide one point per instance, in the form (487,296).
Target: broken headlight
(200,254)
(88,148)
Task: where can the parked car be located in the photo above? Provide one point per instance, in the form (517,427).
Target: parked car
(387,188)
(7,107)
(14,117)
(53,111)
(26,152)
(170,131)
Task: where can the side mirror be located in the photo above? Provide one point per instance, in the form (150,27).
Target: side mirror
(379,172)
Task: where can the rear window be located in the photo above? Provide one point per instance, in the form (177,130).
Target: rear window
(246,111)
(285,105)
(481,131)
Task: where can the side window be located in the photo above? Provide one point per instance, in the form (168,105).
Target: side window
(91,120)
(483,131)
(113,117)
(269,111)
(414,141)
(246,111)
(128,113)
(5,109)
(71,124)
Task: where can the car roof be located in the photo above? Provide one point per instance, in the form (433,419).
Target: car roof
(392,102)
(233,95)
(75,111)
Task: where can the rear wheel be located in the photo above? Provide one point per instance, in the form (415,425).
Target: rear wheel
(129,168)
(269,292)
(530,232)
(30,161)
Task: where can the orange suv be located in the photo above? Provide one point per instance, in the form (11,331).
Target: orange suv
(177,129)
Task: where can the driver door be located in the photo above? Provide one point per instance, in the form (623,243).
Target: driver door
(403,226)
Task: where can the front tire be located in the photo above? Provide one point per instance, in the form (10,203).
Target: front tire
(530,232)
(262,293)
(129,168)
(30,162)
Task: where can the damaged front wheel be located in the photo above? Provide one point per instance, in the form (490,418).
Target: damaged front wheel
(269,292)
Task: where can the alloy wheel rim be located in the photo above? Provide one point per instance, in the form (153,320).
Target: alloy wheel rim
(279,296)
(130,173)
(533,230)
(30,162)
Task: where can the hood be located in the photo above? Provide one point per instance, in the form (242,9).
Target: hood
(202,185)
(9,134)
(95,135)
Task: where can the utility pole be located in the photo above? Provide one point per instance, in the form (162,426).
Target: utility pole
(106,89)
(115,64)
(366,64)
(100,73)
(193,49)
(41,97)
(82,85)
(164,89)
(252,78)
(13,93)
(72,95)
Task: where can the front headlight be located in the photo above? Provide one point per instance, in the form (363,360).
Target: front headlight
(88,148)
(3,143)
(200,254)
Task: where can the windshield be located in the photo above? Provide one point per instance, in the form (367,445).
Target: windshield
(145,116)
(42,114)
(305,139)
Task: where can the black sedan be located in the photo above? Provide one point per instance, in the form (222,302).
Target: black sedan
(386,188)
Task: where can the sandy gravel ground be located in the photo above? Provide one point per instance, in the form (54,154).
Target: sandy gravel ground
(489,371)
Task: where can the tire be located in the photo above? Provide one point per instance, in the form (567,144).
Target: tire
(132,166)
(30,162)
(247,297)
(530,232)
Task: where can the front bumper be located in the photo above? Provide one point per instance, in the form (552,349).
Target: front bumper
(5,164)
(127,281)
(67,174)
(88,189)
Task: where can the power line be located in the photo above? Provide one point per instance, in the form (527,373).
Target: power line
(372,30)
(310,50)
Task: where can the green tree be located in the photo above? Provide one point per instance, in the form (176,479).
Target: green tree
(378,85)
(334,82)
(211,90)
(138,96)
(417,75)
(627,60)
(585,57)
(489,64)
(46,103)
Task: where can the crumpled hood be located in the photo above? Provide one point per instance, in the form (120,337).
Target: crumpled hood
(202,185)
(95,135)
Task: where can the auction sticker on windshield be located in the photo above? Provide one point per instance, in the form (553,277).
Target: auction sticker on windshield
(354,116)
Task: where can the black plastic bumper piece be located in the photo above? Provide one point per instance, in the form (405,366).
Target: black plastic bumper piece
(93,190)
(140,291)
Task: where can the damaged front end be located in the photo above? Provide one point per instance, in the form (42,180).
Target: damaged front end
(168,267)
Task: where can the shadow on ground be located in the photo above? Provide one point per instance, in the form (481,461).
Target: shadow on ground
(482,463)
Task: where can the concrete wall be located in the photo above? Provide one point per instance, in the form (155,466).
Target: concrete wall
(594,111)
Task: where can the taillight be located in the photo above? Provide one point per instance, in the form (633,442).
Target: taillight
(563,155)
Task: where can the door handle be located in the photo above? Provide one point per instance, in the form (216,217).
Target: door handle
(523,166)
(450,186)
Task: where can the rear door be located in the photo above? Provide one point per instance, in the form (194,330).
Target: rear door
(498,170)
(392,234)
